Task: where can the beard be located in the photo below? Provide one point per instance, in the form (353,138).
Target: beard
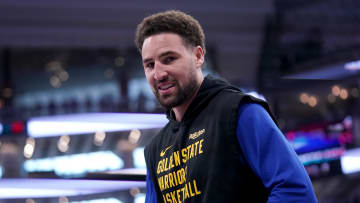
(180,95)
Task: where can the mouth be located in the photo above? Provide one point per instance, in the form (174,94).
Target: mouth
(165,89)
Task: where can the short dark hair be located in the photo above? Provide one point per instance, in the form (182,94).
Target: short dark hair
(171,21)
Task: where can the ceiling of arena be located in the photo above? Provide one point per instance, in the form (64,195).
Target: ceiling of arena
(233,28)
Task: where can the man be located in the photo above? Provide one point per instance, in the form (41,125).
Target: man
(219,145)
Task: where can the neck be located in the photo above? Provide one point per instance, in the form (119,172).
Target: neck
(181,109)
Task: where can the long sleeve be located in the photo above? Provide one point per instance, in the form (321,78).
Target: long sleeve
(150,191)
(271,157)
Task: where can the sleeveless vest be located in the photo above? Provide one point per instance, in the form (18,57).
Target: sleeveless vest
(199,159)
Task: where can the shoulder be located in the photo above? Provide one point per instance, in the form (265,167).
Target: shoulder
(254,112)
(228,98)
(239,100)
(241,96)
(249,108)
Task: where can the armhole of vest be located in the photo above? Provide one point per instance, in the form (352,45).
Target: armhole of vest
(264,104)
(149,166)
(248,100)
(234,123)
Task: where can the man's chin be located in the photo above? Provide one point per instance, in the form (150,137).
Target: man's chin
(168,102)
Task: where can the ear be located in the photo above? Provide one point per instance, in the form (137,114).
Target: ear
(199,56)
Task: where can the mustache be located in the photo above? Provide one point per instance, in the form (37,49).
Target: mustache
(165,80)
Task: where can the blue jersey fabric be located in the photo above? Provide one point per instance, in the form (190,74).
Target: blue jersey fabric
(150,190)
(269,155)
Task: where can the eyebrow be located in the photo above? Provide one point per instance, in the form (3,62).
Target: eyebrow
(147,60)
(161,55)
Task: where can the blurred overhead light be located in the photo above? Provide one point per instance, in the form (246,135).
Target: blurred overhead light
(29,201)
(92,122)
(63,76)
(63,143)
(63,200)
(134,136)
(40,188)
(55,82)
(350,161)
(29,147)
(344,94)
(140,198)
(134,191)
(128,171)
(28,151)
(14,193)
(77,164)
(99,138)
(304,98)
(313,101)
(138,158)
(353,66)
(335,90)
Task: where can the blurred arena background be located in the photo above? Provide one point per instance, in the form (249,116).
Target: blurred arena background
(75,105)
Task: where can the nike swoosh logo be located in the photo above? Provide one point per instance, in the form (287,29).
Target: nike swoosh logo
(162,153)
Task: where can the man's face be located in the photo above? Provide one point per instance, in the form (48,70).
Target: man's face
(170,68)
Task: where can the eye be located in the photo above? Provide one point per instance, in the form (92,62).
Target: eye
(169,59)
(149,65)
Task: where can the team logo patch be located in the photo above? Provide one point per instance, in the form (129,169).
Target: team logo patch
(196,134)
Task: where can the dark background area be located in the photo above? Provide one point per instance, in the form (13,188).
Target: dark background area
(61,57)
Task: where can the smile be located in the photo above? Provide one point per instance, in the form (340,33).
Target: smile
(165,87)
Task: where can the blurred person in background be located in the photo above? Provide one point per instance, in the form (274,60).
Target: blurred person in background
(219,145)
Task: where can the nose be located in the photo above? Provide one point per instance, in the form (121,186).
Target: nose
(160,72)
